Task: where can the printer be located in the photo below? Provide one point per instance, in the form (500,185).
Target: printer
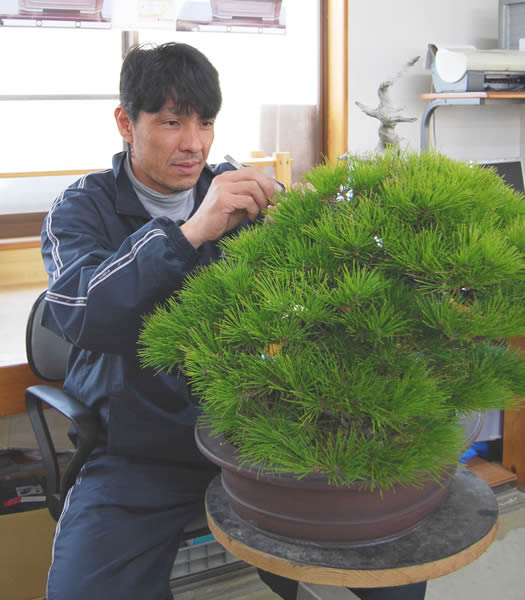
(471,70)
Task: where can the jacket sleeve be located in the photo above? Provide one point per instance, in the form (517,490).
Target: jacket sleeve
(98,294)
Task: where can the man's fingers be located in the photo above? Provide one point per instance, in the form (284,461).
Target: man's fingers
(302,186)
(232,196)
(268,185)
(253,189)
(227,188)
(246,203)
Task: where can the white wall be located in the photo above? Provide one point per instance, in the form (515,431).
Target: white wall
(384,35)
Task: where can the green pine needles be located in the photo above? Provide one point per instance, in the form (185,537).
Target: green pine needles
(347,334)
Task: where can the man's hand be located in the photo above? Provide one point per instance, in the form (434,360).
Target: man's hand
(232,196)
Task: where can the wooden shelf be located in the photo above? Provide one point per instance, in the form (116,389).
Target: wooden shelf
(437,99)
(492,473)
(485,95)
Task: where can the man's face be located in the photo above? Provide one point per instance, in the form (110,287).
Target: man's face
(168,150)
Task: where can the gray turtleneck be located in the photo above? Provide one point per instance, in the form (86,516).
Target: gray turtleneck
(176,206)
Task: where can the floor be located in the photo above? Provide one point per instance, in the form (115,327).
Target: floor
(498,573)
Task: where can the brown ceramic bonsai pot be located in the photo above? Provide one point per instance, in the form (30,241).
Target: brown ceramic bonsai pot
(311,509)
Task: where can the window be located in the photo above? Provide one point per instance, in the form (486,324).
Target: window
(44,127)
(60,86)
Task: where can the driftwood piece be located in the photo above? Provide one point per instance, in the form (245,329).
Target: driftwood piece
(388,115)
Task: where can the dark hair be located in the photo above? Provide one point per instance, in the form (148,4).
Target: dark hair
(151,75)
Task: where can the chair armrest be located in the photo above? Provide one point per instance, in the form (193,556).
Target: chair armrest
(80,415)
(86,425)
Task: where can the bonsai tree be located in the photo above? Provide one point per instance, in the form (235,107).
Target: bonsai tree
(348,334)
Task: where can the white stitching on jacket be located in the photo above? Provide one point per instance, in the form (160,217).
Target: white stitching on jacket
(66,300)
(59,522)
(111,269)
(54,240)
(125,260)
(80,184)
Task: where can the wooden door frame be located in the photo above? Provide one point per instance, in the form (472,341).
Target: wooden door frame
(333,88)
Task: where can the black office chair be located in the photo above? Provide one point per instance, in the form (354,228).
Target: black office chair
(47,357)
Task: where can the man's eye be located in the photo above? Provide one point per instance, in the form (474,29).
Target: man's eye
(172,123)
(207,123)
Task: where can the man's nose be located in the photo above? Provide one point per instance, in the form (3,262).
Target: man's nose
(190,139)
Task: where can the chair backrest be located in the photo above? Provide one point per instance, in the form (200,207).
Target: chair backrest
(46,352)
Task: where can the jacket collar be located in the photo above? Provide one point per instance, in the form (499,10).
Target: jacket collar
(127,202)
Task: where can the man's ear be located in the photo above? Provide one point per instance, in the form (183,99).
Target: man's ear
(124,124)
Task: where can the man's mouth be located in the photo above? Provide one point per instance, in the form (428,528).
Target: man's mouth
(187,167)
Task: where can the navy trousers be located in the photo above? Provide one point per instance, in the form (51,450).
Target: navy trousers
(119,533)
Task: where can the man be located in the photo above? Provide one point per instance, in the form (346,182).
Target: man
(116,244)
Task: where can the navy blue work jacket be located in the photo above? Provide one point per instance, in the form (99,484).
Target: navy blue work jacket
(110,263)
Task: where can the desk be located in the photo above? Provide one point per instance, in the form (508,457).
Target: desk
(455,534)
(462,99)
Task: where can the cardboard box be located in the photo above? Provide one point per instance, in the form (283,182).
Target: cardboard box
(26,540)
